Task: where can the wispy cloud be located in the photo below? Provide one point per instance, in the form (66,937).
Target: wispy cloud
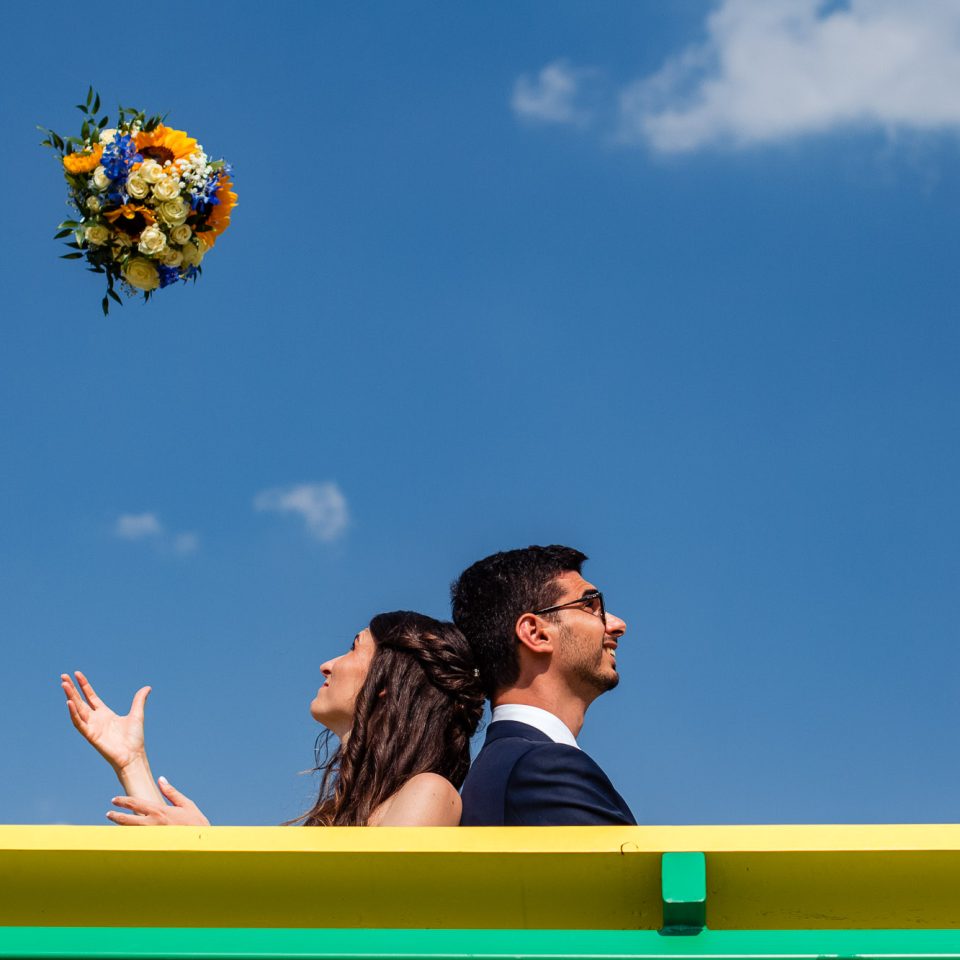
(147,526)
(552,95)
(321,506)
(775,70)
(137,526)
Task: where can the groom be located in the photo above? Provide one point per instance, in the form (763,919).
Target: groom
(546,649)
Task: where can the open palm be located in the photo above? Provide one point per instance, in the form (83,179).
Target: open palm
(118,739)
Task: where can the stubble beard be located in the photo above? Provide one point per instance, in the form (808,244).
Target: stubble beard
(589,670)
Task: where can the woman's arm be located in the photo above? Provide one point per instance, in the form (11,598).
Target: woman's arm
(119,740)
(426,800)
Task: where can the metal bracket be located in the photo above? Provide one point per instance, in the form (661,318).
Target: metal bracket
(683,883)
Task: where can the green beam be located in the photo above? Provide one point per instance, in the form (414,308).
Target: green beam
(154,943)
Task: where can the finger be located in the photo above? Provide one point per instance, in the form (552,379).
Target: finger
(177,798)
(143,807)
(139,702)
(75,717)
(88,690)
(78,709)
(125,820)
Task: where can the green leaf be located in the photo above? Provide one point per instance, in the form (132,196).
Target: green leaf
(89,94)
(116,296)
(67,223)
(81,107)
(62,234)
(103,121)
(70,256)
(105,306)
(96,104)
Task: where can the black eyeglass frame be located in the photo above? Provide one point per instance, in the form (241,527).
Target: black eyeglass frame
(589,596)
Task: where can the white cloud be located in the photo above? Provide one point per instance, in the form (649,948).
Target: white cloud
(137,526)
(321,506)
(776,70)
(551,95)
(184,543)
(147,526)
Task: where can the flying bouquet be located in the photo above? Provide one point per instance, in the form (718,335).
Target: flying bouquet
(149,202)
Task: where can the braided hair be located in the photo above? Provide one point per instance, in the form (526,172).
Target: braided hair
(417,709)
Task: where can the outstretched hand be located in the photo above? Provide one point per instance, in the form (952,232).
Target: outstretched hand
(147,813)
(118,739)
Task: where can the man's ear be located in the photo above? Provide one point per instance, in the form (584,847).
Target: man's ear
(533,634)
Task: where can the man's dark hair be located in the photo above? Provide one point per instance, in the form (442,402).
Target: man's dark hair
(490,596)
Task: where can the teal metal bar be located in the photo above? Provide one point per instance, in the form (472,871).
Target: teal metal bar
(152,943)
(683,883)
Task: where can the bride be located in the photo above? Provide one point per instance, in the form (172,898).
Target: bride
(404,701)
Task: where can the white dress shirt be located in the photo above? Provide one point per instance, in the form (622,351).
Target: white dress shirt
(543,720)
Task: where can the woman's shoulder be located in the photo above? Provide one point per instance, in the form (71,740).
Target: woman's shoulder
(425,800)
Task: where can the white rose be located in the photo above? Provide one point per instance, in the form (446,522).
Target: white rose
(171,257)
(180,234)
(175,212)
(96,234)
(150,170)
(152,241)
(108,136)
(192,254)
(141,274)
(166,189)
(137,187)
(100,179)
(93,204)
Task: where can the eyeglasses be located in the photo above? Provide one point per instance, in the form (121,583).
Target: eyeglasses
(591,602)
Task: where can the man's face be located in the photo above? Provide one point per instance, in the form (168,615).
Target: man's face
(587,649)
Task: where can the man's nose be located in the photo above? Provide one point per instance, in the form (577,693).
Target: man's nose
(615,627)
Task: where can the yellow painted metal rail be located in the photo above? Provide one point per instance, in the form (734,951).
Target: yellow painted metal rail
(585,878)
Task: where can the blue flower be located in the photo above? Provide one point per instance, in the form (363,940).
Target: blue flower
(206,196)
(168,275)
(118,157)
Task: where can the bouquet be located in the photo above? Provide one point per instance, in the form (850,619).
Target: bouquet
(149,202)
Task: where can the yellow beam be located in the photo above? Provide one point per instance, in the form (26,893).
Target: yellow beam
(758,877)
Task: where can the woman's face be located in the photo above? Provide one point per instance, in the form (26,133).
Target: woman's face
(343,677)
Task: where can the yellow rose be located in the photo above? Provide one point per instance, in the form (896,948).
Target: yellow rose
(180,234)
(152,241)
(171,257)
(166,189)
(151,171)
(137,187)
(192,254)
(141,274)
(93,204)
(174,212)
(100,179)
(96,234)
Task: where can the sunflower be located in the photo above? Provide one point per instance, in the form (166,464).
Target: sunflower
(83,162)
(130,219)
(219,218)
(163,144)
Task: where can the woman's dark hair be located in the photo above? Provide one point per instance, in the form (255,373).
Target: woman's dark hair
(415,713)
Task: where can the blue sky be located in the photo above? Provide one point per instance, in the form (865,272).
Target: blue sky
(672,283)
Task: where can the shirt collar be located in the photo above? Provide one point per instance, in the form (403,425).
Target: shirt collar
(543,720)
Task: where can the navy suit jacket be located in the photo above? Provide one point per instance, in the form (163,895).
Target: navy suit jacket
(521,778)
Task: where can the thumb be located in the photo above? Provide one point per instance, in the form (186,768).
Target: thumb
(172,793)
(140,701)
